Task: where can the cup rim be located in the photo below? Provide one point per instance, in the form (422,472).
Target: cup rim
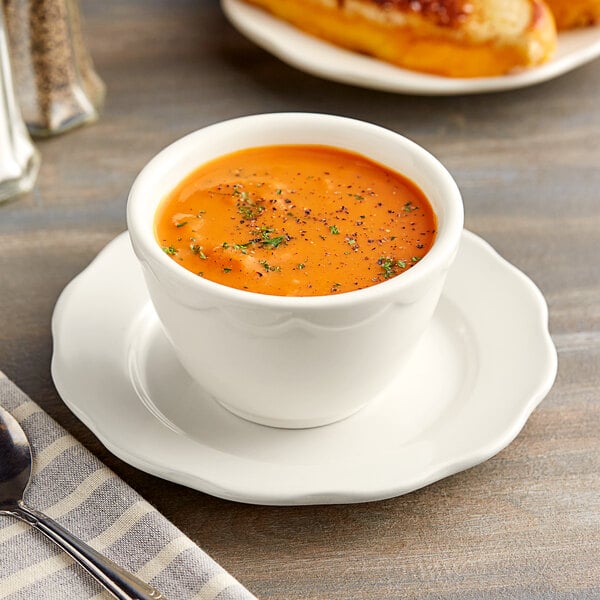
(141,224)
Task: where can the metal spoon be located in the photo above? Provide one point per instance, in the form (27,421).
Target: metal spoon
(15,472)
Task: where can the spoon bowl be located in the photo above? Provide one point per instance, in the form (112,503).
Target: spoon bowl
(15,461)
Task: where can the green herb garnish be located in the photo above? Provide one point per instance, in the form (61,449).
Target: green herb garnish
(267,240)
(198,250)
(243,248)
(247,208)
(274,242)
(387,264)
(250,211)
(267,267)
(170,250)
(334,230)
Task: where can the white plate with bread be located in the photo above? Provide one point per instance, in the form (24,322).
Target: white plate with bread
(574,47)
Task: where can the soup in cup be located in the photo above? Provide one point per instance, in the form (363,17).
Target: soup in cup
(294,259)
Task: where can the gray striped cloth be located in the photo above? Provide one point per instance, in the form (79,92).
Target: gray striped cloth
(73,487)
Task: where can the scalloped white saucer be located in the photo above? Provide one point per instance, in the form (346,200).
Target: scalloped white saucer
(481,368)
(307,53)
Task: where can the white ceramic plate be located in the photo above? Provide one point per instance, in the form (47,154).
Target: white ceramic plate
(483,365)
(320,58)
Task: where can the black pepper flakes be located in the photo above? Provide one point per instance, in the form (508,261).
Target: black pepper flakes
(55,80)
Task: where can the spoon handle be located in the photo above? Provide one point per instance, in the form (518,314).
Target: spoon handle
(119,582)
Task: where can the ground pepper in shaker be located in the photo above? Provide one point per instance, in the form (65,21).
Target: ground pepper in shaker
(55,80)
(19,160)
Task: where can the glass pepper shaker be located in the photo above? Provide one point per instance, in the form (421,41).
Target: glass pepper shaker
(19,160)
(55,80)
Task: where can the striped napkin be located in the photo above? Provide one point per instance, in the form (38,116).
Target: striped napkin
(73,487)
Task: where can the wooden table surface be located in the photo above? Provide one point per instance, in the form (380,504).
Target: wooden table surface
(525,524)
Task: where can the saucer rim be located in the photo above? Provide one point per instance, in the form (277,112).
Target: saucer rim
(257,495)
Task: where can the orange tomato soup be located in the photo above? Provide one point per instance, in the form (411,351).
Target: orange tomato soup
(295,220)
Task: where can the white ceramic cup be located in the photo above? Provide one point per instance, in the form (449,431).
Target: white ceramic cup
(293,361)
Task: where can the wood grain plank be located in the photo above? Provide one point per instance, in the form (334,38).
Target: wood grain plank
(525,524)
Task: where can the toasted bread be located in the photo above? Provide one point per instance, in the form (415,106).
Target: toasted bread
(575,13)
(455,38)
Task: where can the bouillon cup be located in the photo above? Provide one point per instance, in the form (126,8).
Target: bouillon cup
(293,361)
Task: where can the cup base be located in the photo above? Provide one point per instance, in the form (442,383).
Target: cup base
(289,423)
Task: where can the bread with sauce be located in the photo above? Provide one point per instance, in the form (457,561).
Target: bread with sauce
(455,38)
(575,13)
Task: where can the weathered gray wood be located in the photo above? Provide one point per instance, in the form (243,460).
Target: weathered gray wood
(526,524)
